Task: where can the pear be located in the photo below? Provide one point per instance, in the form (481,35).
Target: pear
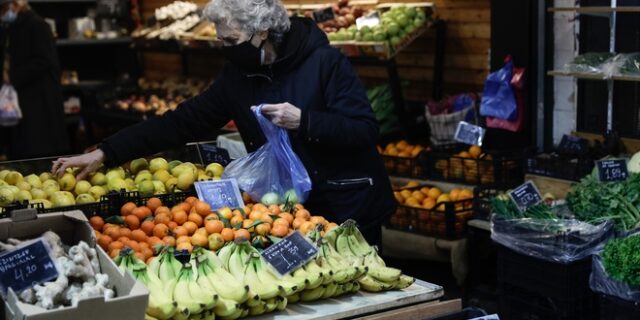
(115,173)
(23,185)
(23,195)
(67,182)
(214,170)
(138,165)
(4,173)
(173,164)
(146,188)
(85,198)
(3,183)
(38,193)
(159,187)
(14,190)
(13,177)
(98,179)
(33,180)
(171,184)
(186,179)
(51,188)
(82,186)
(45,203)
(131,185)
(143,175)
(45,176)
(157,164)
(97,192)
(116,184)
(48,183)
(161,175)
(61,200)
(6,196)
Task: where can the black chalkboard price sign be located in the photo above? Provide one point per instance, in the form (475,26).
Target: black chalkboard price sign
(289,253)
(211,153)
(612,170)
(220,193)
(573,145)
(469,134)
(323,15)
(525,195)
(25,266)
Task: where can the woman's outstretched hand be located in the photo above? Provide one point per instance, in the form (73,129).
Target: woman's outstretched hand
(88,163)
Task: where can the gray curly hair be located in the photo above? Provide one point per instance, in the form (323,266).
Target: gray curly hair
(251,16)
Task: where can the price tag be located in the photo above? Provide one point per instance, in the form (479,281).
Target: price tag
(488,317)
(573,145)
(612,170)
(211,153)
(290,253)
(220,193)
(371,20)
(323,15)
(469,134)
(525,195)
(25,266)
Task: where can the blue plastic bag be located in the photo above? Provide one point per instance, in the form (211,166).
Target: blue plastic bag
(271,173)
(498,98)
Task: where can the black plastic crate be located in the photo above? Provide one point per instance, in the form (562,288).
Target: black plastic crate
(614,308)
(482,196)
(411,167)
(464,314)
(559,166)
(5,212)
(548,279)
(520,304)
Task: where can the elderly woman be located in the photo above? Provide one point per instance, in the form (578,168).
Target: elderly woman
(306,87)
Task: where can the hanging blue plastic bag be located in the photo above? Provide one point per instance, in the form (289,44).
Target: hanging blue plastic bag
(498,98)
(273,174)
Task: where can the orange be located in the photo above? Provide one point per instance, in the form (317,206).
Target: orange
(148,262)
(138,235)
(246,223)
(279,230)
(297,222)
(398,196)
(182,239)
(405,194)
(318,220)
(303,213)
(199,240)
(161,230)
(201,231)
(96,222)
(147,253)
(141,212)
(104,241)
(139,255)
(425,191)
(242,234)
(454,194)
(180,231)
(203,208)
(195,218)
(464,154)
(114,253)
(124,240)
(412,202)
(418,195)
(274,208)
(184,246)
(306,227)
(330,226)
(191,200)
(475,151)
(246,197)
(283,222)
(155,241)
(113,232)
(132,221)
(429,203)
(133,245)
(153,204)
(126,209)
(185,206)
(125,232)
(227,234)
(162,218)
(115,245)
(147,227)
(465,194)
(144,244)
(237,212)
(434,193)
(287,216)
(180,217)
(226,213)
(177,207)
(171,225)
(266,218)
(162,209)
(211,216)
(255,215)
(260,207)
(263,229)
(191,227)
(213,226)
(236,220)
(169,240)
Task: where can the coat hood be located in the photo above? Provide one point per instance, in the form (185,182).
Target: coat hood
(301,40)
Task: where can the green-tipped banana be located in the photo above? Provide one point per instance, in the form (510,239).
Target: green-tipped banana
(198,293)
(330,291)
(314,278)
(370,284)
(254,300)
(356,287)
(342,247)
(258,310)
(225,307)
(271,304)
(182,295)
(294,298)
(266,276)
(404,282)
(358,249)
(282,303)
(264,290)
(236,265)
(235,315)
(384,274)
(224,254)
(313,294)
(226,285)
(161,305)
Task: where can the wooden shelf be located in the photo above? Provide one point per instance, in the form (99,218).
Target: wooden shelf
(83,42)
(595,10)
(590,76)
(62,1)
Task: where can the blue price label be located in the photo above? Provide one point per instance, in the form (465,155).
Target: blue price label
(290,253)
(220,193)
(25,266)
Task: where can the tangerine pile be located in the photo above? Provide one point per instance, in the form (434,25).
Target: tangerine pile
(192,223)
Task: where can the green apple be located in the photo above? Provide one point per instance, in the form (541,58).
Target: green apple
(368,37)
(379,36)
(13,177)
(146,188)
(270,198)
(143,175)
(50,189)
(291,196)
(48,183)
(67,182)
(173,164)
(171,184)
(33,180)
(158,164)
(97,191)
(23,195)
(393,29)
(98,179)
(138,165)
(159,187)
(395,41)
(186,179)
(161,175)
(13,189)
(411,12)
(214,170)
(4,173)
(116,184)
(6,196)
(23,185)
(38,193)
(45,176)
(45,203)
(177,170)
(61,200)
(131,185)
(115,173)
(85,198)
(82,186)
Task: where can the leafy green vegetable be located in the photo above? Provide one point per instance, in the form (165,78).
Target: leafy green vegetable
(504,207)
(621,259)
(592,59)
(594,202)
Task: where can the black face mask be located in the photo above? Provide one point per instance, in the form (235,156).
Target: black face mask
(244,55)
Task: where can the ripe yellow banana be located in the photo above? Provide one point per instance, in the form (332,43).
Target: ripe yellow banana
(294,298)
(225,307)
(330,291)
(313,294)
(258,310)
(282,303)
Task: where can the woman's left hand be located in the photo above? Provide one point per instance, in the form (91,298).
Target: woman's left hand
(283,115)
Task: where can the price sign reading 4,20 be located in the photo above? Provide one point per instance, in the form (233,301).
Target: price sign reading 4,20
(525,195)
(25,266)
(612,170)
(290,253)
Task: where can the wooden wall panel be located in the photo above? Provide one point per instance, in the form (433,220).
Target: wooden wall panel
(466,62)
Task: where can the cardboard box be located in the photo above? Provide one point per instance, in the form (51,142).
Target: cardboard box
(131,297)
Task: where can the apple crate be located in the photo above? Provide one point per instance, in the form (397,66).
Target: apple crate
(348,48)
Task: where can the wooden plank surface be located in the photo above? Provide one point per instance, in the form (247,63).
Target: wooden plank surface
(421,311)
(557,187)
(357,304)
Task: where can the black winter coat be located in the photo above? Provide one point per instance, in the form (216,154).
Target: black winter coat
(35,74)
(337,135)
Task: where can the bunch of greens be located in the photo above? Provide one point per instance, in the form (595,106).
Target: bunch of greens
(592,59)
(505,208)
(594,202)
(631,64)
(621,259)
(383,106)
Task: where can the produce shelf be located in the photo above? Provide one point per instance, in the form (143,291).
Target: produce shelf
(595,10)
(591,76)
(83,42)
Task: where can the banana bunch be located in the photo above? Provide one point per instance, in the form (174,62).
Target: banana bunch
(351,245)
(161,304)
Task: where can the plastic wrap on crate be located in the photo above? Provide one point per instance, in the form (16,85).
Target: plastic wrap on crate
(558,240)
(590,62)
(600,282)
